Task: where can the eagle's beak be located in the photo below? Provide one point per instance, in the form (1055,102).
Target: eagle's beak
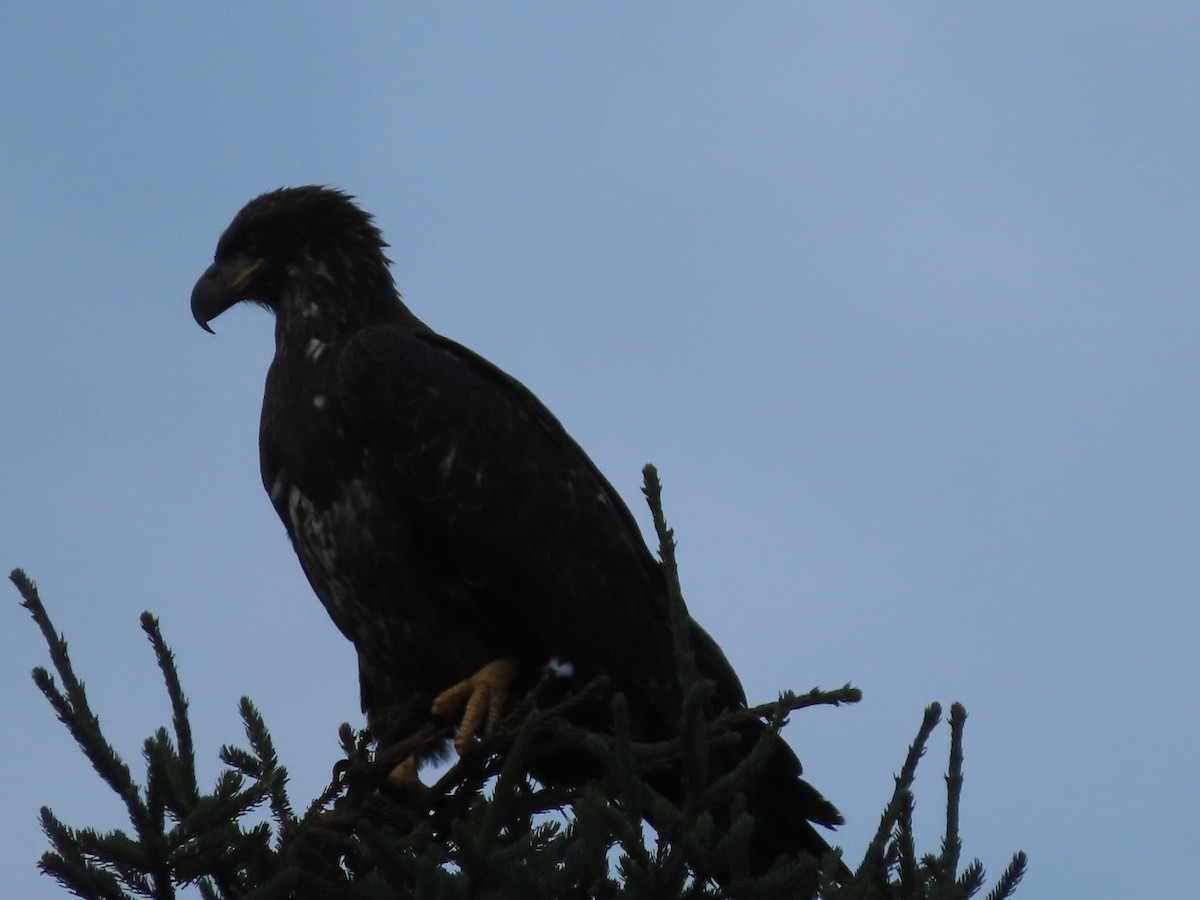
(221,286)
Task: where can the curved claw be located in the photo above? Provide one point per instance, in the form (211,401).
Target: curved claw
(477,702)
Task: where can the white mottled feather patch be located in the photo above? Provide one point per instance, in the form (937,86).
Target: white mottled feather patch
(317,533)
(447,462)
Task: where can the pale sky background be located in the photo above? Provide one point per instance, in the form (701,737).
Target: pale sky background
(900,298)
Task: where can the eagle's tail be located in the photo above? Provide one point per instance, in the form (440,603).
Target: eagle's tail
(785,808)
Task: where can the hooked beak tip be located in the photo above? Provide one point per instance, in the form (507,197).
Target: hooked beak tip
(220,287)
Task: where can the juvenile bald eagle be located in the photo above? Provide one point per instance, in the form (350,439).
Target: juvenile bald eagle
(453,530)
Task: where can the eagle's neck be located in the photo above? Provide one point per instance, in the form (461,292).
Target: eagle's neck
(330,300)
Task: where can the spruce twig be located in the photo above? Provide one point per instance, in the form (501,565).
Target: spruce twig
(179,708)
(1009,879)
(875,861)
(71,704)
(680,628)
(952,843)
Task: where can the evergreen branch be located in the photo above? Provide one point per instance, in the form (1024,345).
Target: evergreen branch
(952,843)
(750,766)
(618,760)
(908,773)
(153,842)
(873,860)
(68,863)
(274,775)
(185,781)
(970,881)
(677,609)
(511,777)
(734,844)
(167,784)
(692,745)
(788,879)
(1010,878)
(71,706)
(792,701)
(905,849)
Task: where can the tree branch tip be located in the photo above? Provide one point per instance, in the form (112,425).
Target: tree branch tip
(27,589)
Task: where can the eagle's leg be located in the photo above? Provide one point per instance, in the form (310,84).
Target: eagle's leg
(401,759)
(406,776)
(477,701)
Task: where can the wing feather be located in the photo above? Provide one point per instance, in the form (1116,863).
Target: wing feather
(526,516)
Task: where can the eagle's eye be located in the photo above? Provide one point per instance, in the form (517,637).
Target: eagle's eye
(252,243)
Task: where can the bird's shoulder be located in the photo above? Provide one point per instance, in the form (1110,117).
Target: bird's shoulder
(388,375)
(462,423)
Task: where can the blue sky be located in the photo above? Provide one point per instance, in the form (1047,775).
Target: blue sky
(900,299)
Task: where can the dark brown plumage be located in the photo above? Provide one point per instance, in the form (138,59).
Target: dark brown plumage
(441,513)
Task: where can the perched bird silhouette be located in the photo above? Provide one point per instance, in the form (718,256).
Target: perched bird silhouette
(453,530)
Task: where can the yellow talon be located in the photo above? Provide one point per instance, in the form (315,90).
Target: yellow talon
(405,776)
(480,699)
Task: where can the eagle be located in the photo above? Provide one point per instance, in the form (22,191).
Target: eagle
(453,530)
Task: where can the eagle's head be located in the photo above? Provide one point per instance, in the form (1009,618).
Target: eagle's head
(309,245)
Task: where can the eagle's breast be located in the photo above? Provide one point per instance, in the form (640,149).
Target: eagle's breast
(322,535)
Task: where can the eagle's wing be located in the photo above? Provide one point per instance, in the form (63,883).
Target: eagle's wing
(527,518)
